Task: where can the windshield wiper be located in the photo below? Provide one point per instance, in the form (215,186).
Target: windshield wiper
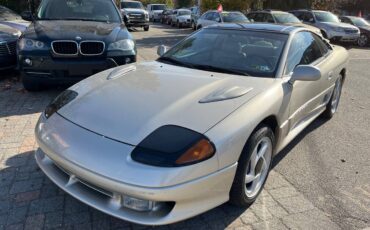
(175,62)
(220,69)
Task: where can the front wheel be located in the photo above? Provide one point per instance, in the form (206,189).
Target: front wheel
(332,106)
(362,40)
(146,28)
(253,167)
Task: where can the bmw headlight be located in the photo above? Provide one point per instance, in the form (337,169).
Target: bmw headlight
(173,146)
(122,45)
(29,44)
(64,98)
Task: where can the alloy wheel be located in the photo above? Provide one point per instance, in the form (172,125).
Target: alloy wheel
(258,167)
(363,40)
(336,96)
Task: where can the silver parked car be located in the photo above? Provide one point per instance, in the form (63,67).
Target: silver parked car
(162,141)
(329,24)
(214,17)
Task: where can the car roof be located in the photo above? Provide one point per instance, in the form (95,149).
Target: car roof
(268,11)
(224,11)
(267,27)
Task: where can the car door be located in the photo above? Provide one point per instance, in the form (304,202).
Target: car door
(308,97)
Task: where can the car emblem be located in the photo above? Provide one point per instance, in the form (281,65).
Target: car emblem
(78,38)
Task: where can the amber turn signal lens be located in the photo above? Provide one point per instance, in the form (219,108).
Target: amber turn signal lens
(200,151)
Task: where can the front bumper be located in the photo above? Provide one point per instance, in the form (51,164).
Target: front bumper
(64,154)
(47,68)
(344,37)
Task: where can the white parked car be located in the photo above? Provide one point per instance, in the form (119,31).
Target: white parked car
(155,11)
(159,142)
(181,18)
(215,17)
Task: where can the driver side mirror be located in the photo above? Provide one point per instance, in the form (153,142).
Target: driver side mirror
(26,15)
(305,73)
(162,49)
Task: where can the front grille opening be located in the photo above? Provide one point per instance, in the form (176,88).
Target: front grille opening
(65,48)
(92,48)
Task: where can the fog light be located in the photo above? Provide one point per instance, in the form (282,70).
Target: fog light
(128,60)
(138,204)
(28,61)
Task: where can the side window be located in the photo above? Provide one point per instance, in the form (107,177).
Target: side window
(251,16)
(324,47)
(216,17)
(269,18)
(260,17)
(308,17)
(208,16)
(298,14)
(303,50)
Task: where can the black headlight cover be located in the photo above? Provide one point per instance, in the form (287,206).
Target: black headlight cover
(164,146)
(60,101)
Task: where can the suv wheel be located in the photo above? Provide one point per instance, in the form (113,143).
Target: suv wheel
(332,106)
(146,28)
(362,40)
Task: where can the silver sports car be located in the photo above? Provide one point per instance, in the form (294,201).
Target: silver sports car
(162,141)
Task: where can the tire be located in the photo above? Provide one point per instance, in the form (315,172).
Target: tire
(31,84)
(146,28)
(332,106)
(179,25)
(363,40)
(193,26)
(243,193)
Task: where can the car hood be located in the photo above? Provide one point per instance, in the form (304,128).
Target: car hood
(69,30)
(312,28)
(20,25)
(146,96)
(133,10)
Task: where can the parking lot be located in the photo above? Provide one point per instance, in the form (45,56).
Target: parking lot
(320,181)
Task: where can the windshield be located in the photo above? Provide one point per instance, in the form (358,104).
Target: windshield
(286,18)
(359,22)
(229,51)
(133,5)
(184,12)
(158,7)
(86,10)
(234,17)
(8,15)
(326,17)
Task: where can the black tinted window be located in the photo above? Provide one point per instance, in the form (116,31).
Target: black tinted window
(89,10)
(303,50)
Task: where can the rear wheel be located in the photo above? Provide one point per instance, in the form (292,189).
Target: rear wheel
(179,24)
(253,167)
(362,40)
(146,28)
(193,25)
(31,84)
(332,106)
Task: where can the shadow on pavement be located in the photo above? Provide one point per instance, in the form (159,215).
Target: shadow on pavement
(312,127)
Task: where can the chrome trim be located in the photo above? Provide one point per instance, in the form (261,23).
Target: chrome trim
(40,73)
(86,41)
(66,55)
